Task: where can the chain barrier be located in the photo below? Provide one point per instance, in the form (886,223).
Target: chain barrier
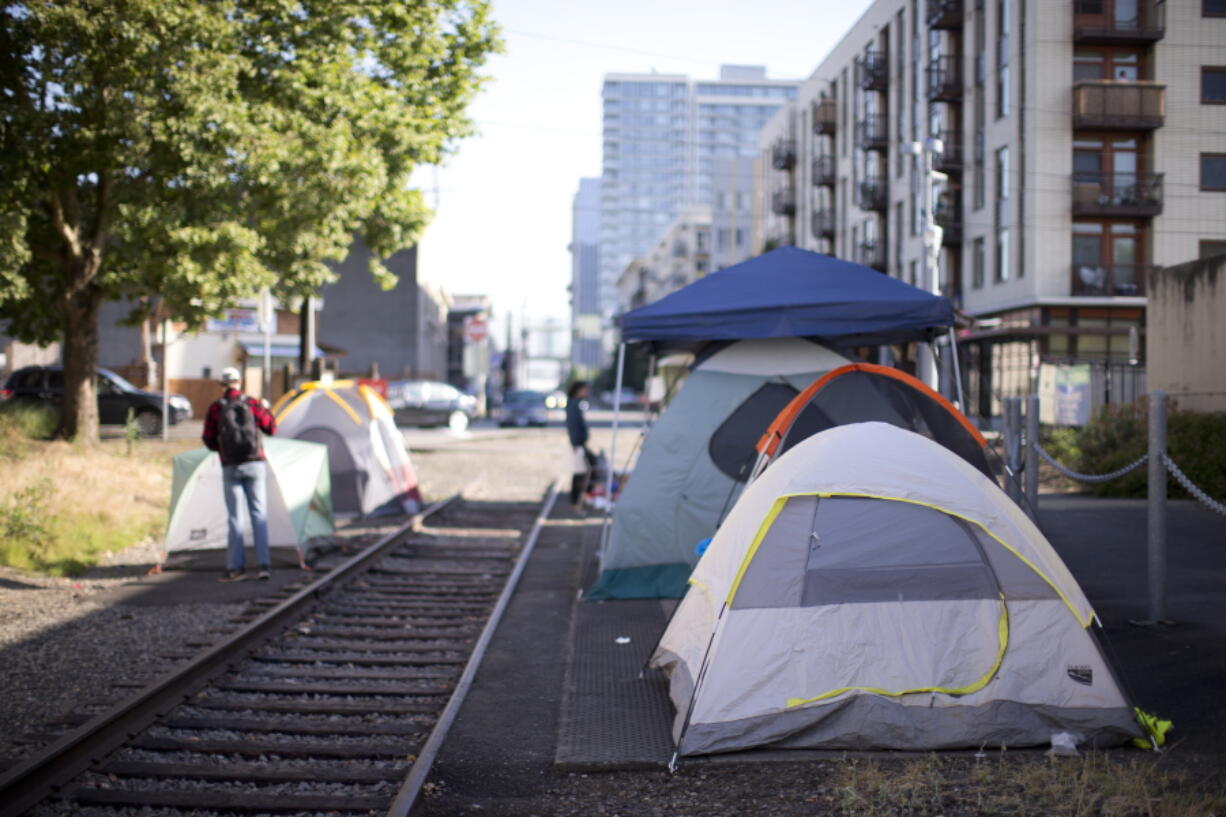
(1090,477)
(1192,488)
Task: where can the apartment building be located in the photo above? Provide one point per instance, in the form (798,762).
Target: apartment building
(1083,145)
(672,142)
(680,256)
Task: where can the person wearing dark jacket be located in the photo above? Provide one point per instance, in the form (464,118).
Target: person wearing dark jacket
(244,472)
(576,430)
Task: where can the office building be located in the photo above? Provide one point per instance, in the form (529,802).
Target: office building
(587,348)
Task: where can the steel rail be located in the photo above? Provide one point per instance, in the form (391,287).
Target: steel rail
(42,775)
(420,770)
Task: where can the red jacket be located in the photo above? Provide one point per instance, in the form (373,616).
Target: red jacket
(263,419)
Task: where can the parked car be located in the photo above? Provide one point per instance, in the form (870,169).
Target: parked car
(628,398)
(44,385)
(430,403)
(524,408)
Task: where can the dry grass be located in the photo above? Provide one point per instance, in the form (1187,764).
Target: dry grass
(1120,784)
(62,506)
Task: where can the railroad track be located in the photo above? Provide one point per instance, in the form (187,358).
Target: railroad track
(332,701)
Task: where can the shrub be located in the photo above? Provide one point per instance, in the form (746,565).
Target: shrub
(1120,434)
(20,421)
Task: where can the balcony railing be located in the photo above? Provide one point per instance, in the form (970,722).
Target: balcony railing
(873,132)
(872,254)
(1106,104)
(945,79)
(1117,194)
(944,14)
(1110,279)
(873,71)
(1107,22)
(948,216)
(824,171)
(825,117)
(783,203)
(783,154)
(950,159)
(873,195)
(823,224)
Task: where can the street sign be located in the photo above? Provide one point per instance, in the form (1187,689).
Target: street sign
(475,329)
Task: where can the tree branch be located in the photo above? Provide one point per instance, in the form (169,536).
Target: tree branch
(101,202)
(67,232)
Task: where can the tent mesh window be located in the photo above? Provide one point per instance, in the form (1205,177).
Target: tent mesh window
(732,445)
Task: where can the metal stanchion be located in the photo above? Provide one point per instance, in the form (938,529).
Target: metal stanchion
(1031,471)
(1013,433)
(1157,506)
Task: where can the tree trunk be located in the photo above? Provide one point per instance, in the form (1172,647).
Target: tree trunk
(79,419)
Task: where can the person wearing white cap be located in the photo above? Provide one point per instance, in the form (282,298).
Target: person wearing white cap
(233,427)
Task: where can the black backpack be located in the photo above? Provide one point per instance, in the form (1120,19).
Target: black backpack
(238,437)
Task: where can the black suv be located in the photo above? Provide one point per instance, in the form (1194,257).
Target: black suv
(45,385)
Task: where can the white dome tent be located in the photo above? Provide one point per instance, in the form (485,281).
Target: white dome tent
(873,590)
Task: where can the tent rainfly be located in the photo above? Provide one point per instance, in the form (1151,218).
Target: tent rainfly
(865,392)
(695,457)
(299,501)
(873,590)
(370,466)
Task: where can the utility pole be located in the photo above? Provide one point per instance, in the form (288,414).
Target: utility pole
(930,180)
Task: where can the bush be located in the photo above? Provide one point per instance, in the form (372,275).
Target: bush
(1120,434)
(21,420)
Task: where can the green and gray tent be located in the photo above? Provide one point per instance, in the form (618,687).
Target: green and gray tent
(696,457)
(874,590)
(299,501)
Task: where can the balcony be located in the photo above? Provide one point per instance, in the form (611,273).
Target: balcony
(1110,22)
(1111,279)
(872,254)
(1106,104)
(825,117)
(824,171)
(783,154)
(783,203)
(873,71)
(1137,195)
(950,159)
(873,133)
(873,195)
(944,14)
(823,224)
(945,79)
(948,216)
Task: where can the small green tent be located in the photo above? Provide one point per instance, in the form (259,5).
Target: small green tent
(299,500)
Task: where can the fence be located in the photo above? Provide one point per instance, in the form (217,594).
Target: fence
(1022,454)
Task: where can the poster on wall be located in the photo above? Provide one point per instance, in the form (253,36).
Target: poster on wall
(1064,394)
(236,320)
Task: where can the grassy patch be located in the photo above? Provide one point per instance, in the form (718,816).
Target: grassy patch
(63,507)
(1120,784)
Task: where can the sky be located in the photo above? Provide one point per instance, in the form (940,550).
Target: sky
(503,201)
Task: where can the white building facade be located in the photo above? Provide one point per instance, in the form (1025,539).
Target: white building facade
(1084,145)
(680,256)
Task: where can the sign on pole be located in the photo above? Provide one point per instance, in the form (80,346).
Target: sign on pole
(475,329)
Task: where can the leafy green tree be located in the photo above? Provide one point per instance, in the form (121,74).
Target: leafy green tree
(188,153)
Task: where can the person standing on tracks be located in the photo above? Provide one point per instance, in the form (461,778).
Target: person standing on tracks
(576,430)
(234,426)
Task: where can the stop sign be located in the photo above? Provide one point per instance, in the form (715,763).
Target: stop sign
(475,329)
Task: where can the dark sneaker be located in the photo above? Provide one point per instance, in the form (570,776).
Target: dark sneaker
(265,574)
(232,576)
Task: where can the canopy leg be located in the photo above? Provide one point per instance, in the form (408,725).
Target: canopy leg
(957,370)
(617,406)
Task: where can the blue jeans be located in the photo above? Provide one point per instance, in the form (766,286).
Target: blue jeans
(248,479)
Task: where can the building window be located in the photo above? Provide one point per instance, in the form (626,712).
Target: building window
(912,273)
(1213,86)
(1213,171)
(1213,8)
(978,259)
(1002,58)
(1002,173)
(1002,255)
(1211,247)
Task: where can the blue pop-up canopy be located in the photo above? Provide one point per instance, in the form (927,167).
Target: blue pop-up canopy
(789,292)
